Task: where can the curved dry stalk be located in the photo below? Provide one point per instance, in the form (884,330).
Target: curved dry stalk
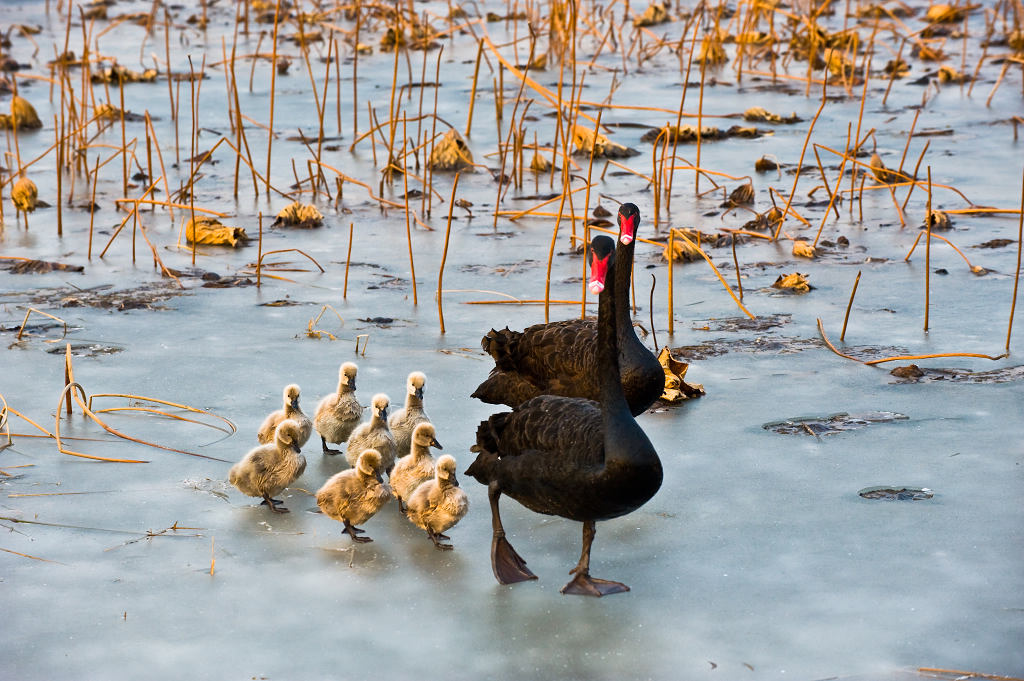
(4,425)
(25,321)
(60,445)
(899,358)
(444,253)
(937,236)
(196,410)
(259,263)
(678,232)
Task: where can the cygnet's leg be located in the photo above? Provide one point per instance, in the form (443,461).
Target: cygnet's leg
(508,566)
(328,450)
(583,584)
(273,504)
(401,506)
(436,537)
(353,531)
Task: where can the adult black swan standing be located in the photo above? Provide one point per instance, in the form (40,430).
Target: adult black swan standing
(570,457)
(559,358)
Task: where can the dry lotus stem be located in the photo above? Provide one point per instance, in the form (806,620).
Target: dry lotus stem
(25,195)
(451,152)
(299,215)
(210,231)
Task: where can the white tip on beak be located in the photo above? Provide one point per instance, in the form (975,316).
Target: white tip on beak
(626,239)
(596,287)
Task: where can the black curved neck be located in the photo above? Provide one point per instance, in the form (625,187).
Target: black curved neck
(613,400)
(623,277)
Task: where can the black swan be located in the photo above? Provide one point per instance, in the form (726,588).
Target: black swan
(568,456)
(560,358)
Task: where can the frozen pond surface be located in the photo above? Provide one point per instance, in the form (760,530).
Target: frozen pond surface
(757,558)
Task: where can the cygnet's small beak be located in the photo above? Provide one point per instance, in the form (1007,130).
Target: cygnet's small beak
(295,446)
(435,443)
(418,393)
(295,403)
(454,481)
(379,478)
(384,413)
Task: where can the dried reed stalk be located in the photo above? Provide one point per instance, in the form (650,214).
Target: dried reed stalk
(444,252)
(846,317)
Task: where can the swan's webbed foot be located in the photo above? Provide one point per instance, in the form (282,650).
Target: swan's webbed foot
(509,567)
(274,504)
(585,585)
(354,532)
(328,450)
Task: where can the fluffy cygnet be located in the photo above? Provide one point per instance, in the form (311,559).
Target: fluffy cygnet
(355,495)
(338,414)
(373,434)
(415,467)
(268,469)
(438,504)
(290,410)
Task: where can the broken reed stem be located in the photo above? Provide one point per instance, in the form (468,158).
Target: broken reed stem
(444,252)
(92,202)
(259,252)
(928,251)
(799,165)
(671,282)
(846,317)
(472,92)
(1016,273)
(60,155)
(736,264)
(348,260)
(408,227)
(273,84)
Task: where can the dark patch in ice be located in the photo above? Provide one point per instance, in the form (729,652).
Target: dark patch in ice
(893,493)
(830,425)
(722,346)
(763,323)
(912,373)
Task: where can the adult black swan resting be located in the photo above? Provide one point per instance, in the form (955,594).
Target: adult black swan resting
(570,457)
(560,358)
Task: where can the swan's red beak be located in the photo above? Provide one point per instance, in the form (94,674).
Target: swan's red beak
(627,227)
(598,273)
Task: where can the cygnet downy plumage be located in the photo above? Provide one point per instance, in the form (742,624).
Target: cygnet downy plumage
(269,468)
(417,466)
(290,410)
(338,414)
(373,434)
(355,495)
(404,421)
(438,504)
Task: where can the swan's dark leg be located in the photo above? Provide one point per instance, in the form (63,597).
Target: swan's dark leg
(508,566)
(273,504)
(328,450)
(353,531)
(583,584)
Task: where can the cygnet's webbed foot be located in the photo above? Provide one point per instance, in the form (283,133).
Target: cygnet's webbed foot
(274,504)
(509,567)
(436,538)
(327,450)
(354,532)
(585,585)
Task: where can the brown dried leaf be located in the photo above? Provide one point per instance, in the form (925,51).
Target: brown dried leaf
(683,249)
(655,13)
(947,74)
(587,142)
(676,388)
(451,152)
(210,231)
(803,249)
(760,114)
(938,220)
(22,113)
(882,174)
(711,50)
(304,215)
(25,195)
(948,14)
(795,282)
